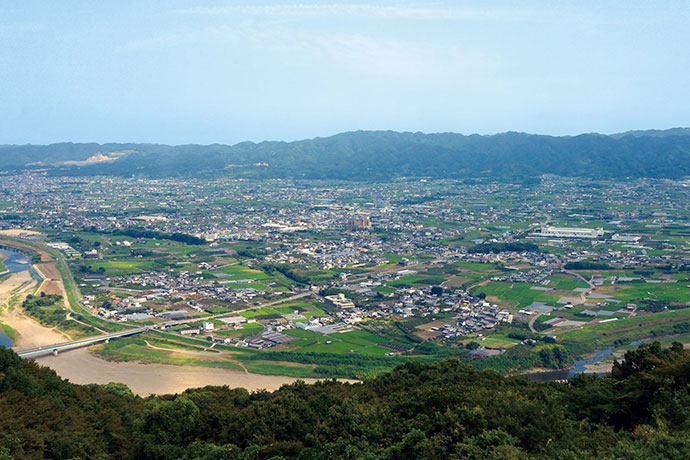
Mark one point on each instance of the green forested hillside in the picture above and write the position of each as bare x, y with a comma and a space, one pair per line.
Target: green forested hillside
444, 410
372, 155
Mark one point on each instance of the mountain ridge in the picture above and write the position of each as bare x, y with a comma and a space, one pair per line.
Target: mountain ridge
376, 155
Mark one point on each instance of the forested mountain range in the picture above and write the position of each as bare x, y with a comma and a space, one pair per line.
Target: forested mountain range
444, 410
373, 155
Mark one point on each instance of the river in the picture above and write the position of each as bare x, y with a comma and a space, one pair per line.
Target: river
14, 262
4, 340
580, 366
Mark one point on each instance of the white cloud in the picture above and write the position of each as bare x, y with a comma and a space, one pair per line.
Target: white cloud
358, 53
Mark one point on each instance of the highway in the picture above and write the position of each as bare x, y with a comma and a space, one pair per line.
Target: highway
55, 348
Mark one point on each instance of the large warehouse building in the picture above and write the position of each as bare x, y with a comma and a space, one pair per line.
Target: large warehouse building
569, 232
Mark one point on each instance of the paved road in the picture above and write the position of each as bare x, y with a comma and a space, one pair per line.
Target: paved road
78, 343
235, 312
577, 275
563, 270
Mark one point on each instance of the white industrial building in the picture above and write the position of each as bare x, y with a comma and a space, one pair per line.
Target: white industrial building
339, 301
569, 232
626, 238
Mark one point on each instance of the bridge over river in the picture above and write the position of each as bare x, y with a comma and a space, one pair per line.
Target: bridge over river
56, 348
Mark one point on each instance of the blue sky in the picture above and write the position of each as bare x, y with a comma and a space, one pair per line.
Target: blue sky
205, 72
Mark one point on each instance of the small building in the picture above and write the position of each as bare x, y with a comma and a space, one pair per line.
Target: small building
626, 238
232, 320
138, 317
173, 315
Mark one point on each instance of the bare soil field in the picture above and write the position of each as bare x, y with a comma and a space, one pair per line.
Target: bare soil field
18, 232
424, 330
52, 287
455, 281
49, 270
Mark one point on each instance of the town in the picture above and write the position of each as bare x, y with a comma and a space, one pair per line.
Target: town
477, 269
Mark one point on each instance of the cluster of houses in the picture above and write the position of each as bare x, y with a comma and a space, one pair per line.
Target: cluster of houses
539, 276
480, 317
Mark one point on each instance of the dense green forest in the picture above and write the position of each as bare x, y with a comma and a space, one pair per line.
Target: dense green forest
378, 155
443, 410
497, 248
586, 265
136, 232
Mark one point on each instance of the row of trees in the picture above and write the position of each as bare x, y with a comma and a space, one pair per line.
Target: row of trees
290, 272
143, 233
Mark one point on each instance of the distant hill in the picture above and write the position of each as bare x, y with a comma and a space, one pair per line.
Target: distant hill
376, 155
654, 133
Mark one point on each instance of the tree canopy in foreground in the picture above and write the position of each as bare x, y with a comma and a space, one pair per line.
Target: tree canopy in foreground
443, 410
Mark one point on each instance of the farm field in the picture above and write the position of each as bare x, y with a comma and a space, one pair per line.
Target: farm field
416, 280
121, 267
623, 331
566, 283
345, 342
517, 295
631, 292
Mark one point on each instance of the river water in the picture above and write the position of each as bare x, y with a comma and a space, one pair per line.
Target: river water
15, 262
580, 366
4, 340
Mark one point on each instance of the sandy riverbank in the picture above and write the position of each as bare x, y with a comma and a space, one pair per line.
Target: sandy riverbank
30, 333
18, 232
80, 366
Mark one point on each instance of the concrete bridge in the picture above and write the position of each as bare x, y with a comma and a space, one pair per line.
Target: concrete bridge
56, 348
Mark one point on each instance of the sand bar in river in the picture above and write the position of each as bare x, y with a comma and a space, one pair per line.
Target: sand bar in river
80, 366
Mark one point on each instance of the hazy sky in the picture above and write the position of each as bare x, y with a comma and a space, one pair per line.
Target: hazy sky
204, 72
